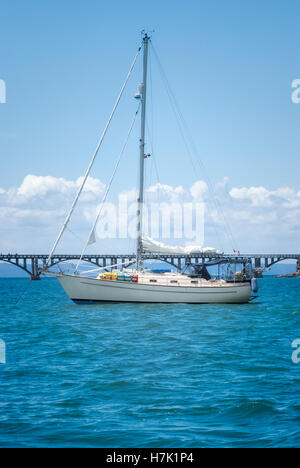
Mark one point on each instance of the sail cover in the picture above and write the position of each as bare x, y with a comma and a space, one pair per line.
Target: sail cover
152, 246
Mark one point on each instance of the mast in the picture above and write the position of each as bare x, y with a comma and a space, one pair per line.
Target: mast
142, 152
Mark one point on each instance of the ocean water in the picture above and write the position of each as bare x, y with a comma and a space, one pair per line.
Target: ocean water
148, 375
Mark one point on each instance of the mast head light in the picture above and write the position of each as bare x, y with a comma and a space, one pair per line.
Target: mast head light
146, 34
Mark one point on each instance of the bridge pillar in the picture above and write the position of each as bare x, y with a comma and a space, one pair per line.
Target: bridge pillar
298, 266
35, 276
257, 262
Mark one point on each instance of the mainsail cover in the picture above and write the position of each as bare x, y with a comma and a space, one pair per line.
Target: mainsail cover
152, 246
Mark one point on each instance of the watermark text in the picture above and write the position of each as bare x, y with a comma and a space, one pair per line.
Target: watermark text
160, 220
296, 353
2, 352
2, 92
296, 93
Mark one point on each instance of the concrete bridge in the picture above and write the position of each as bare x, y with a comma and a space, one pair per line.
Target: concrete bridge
32, 263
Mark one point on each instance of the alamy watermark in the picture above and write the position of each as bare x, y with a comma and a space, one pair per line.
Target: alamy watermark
296, 353
2, 352
296, 93
2, 92
160, 220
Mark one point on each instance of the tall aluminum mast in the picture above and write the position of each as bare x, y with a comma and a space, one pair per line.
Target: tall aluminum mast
142, 152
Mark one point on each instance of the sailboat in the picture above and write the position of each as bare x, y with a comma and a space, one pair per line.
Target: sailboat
140, 285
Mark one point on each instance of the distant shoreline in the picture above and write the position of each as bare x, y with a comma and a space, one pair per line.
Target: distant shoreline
289, 275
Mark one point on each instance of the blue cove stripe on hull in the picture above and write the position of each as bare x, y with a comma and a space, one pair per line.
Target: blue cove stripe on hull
98, 301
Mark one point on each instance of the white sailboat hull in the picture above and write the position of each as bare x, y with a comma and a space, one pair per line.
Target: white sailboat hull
80, 289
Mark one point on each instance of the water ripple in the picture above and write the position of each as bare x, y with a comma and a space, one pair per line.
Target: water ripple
131, 375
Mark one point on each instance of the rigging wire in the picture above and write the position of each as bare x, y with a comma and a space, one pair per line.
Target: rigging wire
153, 155
177, 115
150, 132
92, 160
74, 234
91, 239
151, 165
183, 127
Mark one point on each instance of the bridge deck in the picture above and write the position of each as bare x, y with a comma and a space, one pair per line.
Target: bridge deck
31, 263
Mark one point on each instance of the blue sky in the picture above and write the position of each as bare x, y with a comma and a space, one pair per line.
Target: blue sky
230, 64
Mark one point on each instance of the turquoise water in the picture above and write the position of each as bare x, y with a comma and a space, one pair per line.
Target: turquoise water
148, 375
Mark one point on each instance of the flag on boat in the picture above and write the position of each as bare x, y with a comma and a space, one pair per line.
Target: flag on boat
147, 155
237, 252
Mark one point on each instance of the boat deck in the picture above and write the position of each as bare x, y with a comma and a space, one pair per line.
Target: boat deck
172, 279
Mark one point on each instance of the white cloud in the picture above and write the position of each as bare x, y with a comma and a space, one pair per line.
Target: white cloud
168, 192
32, 213
198, 190
262, 197
258, 196
130, 195
38, 186
258, 218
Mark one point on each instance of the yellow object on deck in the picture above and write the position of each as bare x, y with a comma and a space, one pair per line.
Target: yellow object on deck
108, 276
